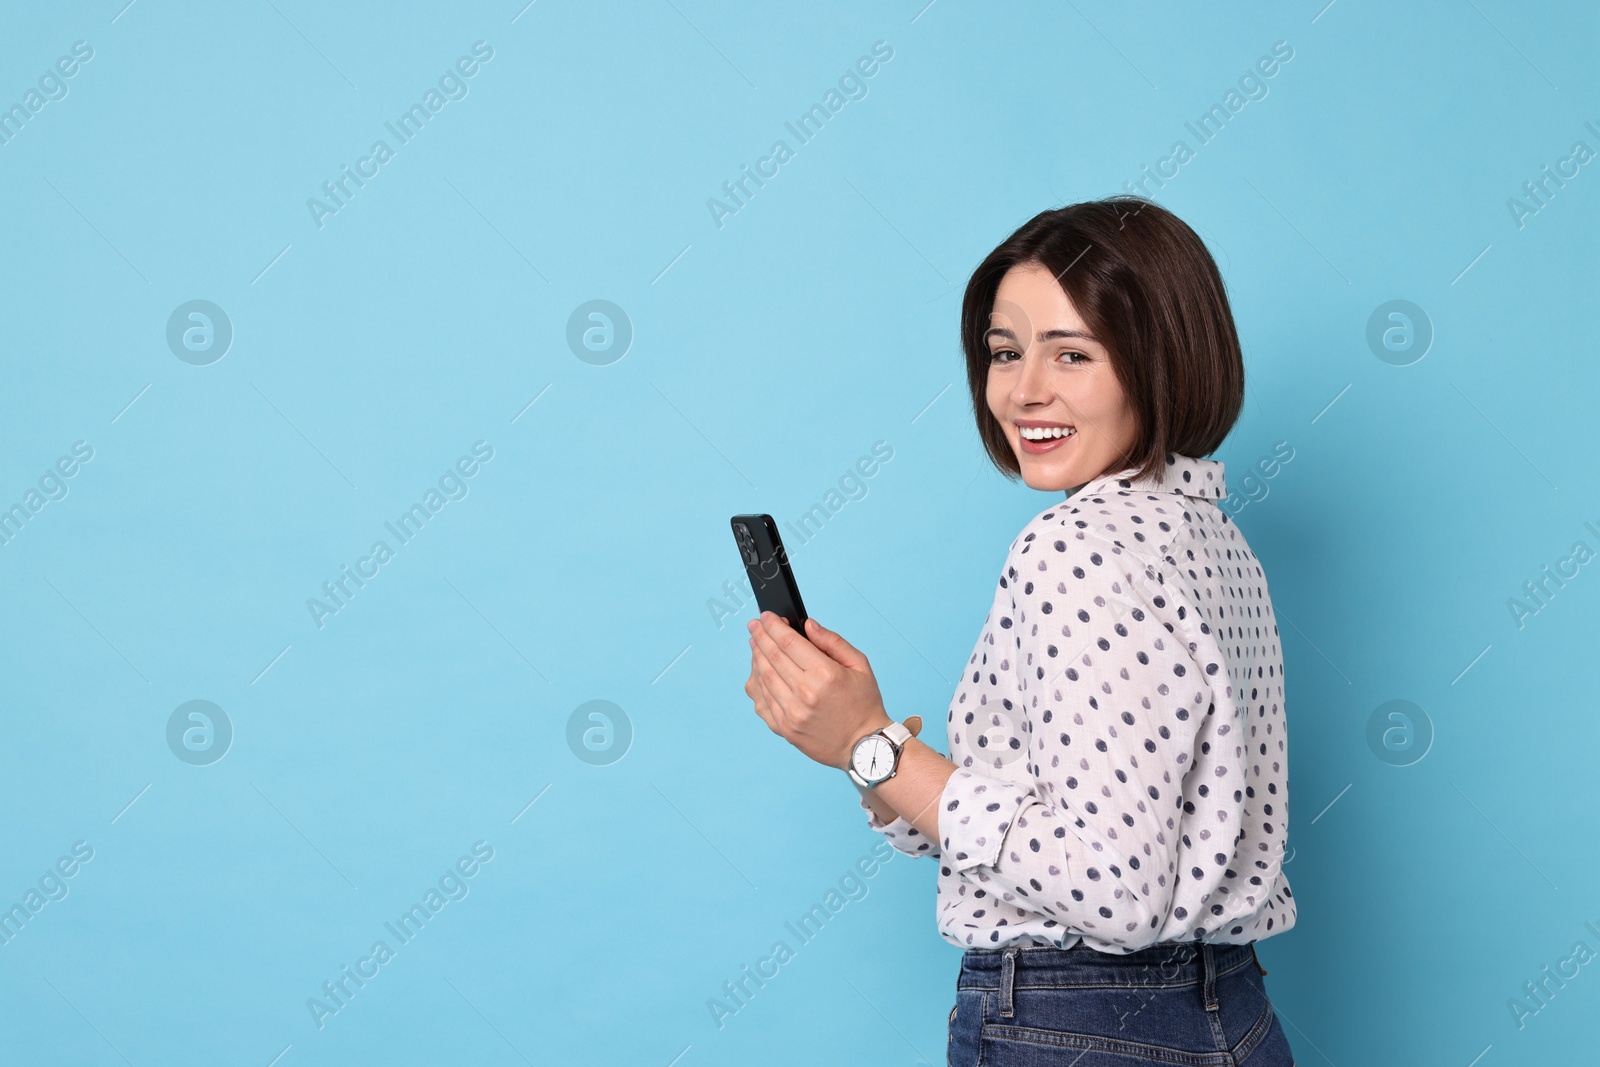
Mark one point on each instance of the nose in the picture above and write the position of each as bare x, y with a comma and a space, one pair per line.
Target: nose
1032, 383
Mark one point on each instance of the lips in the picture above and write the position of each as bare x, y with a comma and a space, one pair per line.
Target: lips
1039, 448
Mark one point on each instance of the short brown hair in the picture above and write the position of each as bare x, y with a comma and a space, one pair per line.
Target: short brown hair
1149, 290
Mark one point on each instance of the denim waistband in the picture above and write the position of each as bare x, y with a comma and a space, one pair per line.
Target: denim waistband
1166, 963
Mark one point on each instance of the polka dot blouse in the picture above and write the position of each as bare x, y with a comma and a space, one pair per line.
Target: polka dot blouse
1118, 733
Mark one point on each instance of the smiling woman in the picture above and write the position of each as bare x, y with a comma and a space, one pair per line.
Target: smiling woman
1110, 317
1110, 822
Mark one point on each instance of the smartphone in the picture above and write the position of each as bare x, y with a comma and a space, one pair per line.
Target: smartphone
767, 564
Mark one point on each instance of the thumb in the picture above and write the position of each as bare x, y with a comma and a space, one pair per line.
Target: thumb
835, 646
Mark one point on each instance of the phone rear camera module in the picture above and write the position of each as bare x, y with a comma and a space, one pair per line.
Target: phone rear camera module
747, 545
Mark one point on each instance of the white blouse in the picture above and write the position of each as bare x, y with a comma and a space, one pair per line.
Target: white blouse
1118, 733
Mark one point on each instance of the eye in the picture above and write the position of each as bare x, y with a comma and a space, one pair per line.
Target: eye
1069, 357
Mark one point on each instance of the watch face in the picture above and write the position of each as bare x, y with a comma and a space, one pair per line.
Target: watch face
873, 757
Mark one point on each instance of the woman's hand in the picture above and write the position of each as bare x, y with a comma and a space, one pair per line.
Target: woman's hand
819, 695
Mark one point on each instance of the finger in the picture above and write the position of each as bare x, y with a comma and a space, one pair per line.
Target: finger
769, 712
757, 694
779, 693
797, 648
835, 646
786, 668
752, 685
763, 710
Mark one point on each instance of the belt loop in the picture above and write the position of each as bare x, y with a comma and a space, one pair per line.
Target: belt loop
1008, 979
1253, 956
1208, 971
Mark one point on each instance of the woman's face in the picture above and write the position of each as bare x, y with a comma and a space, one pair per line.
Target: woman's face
1045, 370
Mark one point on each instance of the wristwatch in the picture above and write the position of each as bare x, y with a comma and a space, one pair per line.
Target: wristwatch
876, 757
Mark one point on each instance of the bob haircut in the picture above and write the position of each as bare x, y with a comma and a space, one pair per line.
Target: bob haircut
1151, 293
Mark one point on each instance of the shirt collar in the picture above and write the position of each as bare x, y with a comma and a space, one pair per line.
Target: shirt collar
1184, 475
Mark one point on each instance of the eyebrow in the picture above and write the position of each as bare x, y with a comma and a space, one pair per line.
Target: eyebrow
1044, 335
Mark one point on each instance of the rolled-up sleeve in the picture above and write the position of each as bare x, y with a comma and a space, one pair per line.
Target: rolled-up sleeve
900, 834
1078, 820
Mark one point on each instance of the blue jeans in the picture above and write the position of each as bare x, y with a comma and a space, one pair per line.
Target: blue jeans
1176, 1004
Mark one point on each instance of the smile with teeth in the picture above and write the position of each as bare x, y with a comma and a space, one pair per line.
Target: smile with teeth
1044, 433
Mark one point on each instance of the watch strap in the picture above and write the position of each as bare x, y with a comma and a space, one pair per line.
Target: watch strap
897, 733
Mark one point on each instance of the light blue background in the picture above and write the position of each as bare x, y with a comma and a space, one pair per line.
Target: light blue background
769, 354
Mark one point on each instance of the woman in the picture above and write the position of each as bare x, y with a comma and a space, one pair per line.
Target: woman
1110, 823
